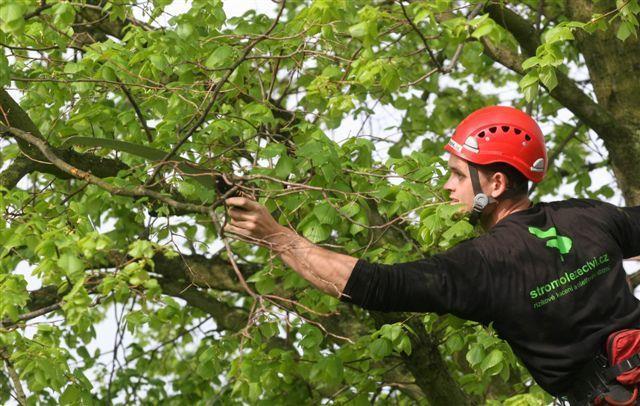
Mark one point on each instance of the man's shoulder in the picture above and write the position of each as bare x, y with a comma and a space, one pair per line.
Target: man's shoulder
576, 203
568, 205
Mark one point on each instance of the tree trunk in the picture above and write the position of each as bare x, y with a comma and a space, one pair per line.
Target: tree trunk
613, 67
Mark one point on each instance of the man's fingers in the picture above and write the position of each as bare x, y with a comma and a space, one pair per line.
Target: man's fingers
234, 230
239, 214
246, 226
242, 202
240, 233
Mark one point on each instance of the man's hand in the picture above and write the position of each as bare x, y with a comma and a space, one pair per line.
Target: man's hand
252, 220
328, 271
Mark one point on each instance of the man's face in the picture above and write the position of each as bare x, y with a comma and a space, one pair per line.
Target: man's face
459, 182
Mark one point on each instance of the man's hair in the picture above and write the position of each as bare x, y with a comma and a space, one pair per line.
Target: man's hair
517, 183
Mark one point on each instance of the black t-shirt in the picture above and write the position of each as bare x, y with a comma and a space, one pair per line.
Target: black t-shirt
550, 279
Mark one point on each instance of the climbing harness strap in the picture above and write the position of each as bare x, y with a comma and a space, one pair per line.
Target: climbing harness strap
611, 379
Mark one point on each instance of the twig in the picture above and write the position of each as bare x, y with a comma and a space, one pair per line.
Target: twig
215, 92
21, 398
43, 6
31, 315
143, 122
243, 282
424, 40
458, 52
608, 13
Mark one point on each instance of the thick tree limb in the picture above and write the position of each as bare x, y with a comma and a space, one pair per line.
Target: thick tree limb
10, 177
618, 131
226, 317
136, 191
566, 92
18, 118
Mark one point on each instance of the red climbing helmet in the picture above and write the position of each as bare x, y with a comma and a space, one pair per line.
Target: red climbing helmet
501, 134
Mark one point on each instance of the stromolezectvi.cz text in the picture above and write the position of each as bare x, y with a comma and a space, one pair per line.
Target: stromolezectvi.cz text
569, 276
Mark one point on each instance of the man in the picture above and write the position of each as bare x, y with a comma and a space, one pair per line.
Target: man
549, 276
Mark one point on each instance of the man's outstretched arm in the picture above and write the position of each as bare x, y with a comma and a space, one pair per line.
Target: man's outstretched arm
328, 271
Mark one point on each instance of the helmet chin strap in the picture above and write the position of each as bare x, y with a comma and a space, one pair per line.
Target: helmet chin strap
481, 200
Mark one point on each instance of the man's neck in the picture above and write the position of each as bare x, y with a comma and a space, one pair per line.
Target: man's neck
502, 210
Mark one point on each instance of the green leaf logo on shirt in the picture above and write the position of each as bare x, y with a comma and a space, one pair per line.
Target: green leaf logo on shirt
560, 242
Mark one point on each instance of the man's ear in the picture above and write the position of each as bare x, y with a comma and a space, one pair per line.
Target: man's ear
498, 183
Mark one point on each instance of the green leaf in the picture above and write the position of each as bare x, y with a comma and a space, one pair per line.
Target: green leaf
548, 77
221, 56
73, 67
530, 62
11, 16
64, 14
380, 348
257, 112
184, 30
5, 71
71, 264
494, 358
405, 345
325, 213
625, 29
484, 29
207, 354
71, 395
475, 355
359, 30
266, 285
454, 343
531, 90
558, 33
530, 79
311, 336
159, 61
141, 249
316, 231
12, 11
334, 368
14, 295
108, 74
284, 167
350, 209
460, 229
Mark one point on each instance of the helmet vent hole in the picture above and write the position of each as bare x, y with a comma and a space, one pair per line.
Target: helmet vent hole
481, 134
493, 129
517, 131
505, 128
527, 137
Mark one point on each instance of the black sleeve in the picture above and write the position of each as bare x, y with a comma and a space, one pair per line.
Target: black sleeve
628, 226
457, 281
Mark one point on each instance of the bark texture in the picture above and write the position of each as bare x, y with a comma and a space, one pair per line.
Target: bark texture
613, 71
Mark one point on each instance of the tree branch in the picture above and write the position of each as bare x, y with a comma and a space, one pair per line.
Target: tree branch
139, 114
553, 155
136, 191
215, 92
10, 177
566, 92
14, 116
15, 378
432, 56
226, 317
